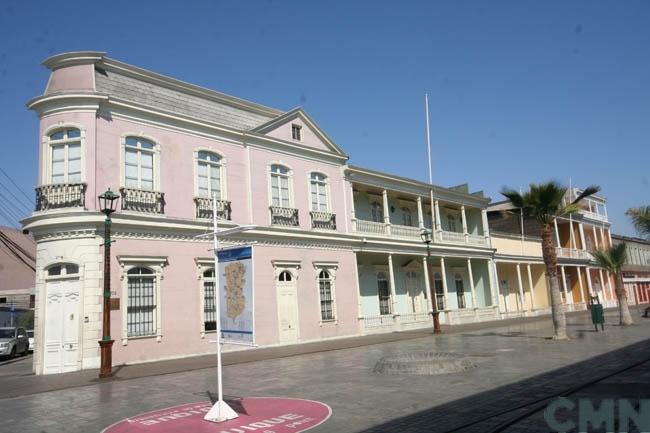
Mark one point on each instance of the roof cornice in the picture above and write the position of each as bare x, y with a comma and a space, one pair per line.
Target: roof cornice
66, 102
73, 58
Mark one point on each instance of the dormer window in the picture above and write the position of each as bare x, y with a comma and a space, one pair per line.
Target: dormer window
296, 132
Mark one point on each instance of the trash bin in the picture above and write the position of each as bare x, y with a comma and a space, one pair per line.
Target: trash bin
597, 314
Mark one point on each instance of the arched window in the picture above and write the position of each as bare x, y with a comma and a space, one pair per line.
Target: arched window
407, 217
326, 299
209, 174
285, 276
280, 194
64, 269
377, 212
65, 156
141, 303
139, 163
209, 304
440, 290
460, 290
318, 185
383, 292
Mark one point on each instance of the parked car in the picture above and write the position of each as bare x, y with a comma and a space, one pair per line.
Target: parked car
13, 341
30, 335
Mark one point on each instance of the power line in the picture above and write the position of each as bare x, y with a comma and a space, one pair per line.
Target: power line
10, 208
25, 208
8, 220
16, 185
16, 245
18, 256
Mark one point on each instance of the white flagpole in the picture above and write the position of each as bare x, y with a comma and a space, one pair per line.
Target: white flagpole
220, 411
426, 104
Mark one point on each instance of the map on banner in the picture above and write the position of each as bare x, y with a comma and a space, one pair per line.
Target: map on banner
236, 295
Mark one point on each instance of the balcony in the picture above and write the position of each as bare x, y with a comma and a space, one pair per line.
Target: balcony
572, 253
405, 232
204, 208
323, 220
370, 227
139, 200
60, 195
284, 216
593, 215
452, 237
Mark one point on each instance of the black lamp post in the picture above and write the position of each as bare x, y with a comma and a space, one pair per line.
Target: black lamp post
107, 205
426, 238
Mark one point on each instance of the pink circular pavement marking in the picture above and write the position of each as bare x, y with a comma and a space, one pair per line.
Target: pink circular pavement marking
256, 414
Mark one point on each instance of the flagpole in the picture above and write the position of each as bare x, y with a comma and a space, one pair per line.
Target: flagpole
220, 411
426, 104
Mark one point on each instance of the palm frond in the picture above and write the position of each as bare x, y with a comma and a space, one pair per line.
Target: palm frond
641, 220
515, 197
611, 259
590, 190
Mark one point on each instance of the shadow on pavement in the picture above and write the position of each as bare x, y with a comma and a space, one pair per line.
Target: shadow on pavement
488, 411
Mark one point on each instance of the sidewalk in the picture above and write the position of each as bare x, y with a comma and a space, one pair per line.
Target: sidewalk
32, 384
515, 362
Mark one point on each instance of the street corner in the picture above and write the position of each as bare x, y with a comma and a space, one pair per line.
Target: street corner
264, 414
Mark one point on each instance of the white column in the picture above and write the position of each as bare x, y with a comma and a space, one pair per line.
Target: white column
557, 233
589, 286
471, 283
464, 220
436, 207
427, 284
384, 199
420, 213
563, 282
520, 286
484, 221
593, 229
496, 293
602, 282
612, 292
602, 237
581, 229
391, 276
572, 235
582, 289
609, 236
358, 285
532, 288
443, 273
433, 215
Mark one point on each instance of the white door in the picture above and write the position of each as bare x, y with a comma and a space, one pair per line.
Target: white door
288, 311
61, 342
416, 294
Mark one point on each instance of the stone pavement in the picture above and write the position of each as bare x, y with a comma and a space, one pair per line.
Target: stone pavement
515, 363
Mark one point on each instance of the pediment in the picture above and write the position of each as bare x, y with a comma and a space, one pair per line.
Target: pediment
311, 135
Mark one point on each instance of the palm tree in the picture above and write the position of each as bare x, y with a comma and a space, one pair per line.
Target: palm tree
544, 203
641, 220
612, 259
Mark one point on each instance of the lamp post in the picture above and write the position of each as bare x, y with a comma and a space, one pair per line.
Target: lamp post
426, 238
107, 204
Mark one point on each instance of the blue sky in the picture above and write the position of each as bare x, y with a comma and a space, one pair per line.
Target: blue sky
520, 91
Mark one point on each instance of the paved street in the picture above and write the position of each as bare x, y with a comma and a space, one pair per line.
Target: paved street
514, 366
16, 367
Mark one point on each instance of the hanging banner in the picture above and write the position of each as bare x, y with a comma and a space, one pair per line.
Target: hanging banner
236, 295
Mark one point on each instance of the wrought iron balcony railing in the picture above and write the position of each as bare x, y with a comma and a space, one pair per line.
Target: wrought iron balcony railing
323, 220
204, 208
284, 216
60, 195
140, 200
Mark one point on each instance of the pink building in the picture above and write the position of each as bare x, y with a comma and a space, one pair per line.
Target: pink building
337, 250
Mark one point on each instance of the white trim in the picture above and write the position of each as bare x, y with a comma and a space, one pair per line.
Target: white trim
331, 268
156, 160
326, 180
222, 172
46, 151
289, 177
156, 264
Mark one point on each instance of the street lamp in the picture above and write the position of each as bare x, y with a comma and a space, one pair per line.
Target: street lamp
107, 205
426, 236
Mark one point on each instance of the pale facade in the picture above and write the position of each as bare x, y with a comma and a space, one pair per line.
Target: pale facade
636, 272
337, 249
